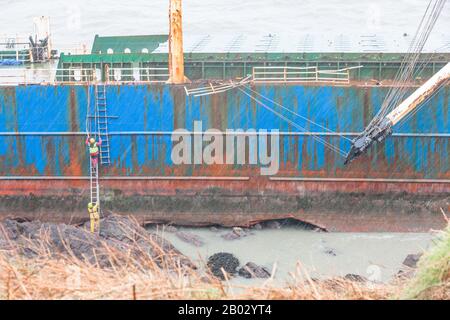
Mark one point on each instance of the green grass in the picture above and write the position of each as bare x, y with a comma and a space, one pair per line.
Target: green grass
432, 279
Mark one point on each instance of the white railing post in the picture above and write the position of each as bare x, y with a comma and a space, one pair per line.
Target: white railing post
82, 76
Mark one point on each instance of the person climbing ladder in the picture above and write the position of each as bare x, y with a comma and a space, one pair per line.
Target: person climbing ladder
94, 217
93, 149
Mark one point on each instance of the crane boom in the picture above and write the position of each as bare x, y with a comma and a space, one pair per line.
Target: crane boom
421, 94
379, 130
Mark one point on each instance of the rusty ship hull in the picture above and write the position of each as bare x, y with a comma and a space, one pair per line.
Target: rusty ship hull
398, 186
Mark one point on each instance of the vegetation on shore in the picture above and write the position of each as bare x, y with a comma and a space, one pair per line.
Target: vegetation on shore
432, 278
62, 274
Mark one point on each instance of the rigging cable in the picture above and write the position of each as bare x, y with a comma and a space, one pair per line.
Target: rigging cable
326, 143
399, 87
297, 114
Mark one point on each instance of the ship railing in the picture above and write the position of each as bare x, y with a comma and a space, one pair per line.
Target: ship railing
14, 42
75, 49
137, 75
24, 76
22, 56
14, 47
75, 75
300, 74
50, 76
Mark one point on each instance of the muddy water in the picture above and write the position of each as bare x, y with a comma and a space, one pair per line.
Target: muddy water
376, 256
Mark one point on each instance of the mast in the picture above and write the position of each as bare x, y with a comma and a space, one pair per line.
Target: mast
176, 53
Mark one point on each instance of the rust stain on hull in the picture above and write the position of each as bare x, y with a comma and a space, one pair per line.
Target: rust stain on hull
336, 206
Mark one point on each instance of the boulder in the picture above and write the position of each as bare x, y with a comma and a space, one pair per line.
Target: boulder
236, 233
329, 251
31, 237
355, 277
273, 225
116, 233
411, 260
190, 238
225, 261
252, 270
169, 228
257, 226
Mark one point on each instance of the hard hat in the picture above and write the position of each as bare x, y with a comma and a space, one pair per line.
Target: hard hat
91, 140
90, 205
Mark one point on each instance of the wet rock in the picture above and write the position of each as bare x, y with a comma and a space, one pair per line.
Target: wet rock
190, 238
214, 229
9, 230
125, 230
411, 260
405, 274
225, 261
257, 226
236, 233
170, 229
252, 270
355, 277
273, 225
31, 237
6, 245
116, 233
230, 236
329, 251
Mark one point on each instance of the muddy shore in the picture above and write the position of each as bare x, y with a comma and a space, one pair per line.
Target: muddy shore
125, 237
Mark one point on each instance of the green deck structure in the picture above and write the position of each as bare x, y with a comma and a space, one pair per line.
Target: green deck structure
226, 65
135, 44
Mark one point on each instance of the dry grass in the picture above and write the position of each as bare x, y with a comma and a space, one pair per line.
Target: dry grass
432, 279
66, 277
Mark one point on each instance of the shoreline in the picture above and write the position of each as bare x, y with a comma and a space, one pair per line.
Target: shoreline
89, 265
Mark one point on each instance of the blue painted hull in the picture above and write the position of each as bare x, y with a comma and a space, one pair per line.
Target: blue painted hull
42, 131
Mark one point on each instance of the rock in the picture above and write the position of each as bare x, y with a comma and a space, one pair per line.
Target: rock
257, 226
273, 225
9, 230
252, 270
405, 274
6, 245
355, 277
330, 251
411, 260
225, 261
170, 229
230, 236
214, 229
57, 239
116, 233
236, 233
190, 238
127, 231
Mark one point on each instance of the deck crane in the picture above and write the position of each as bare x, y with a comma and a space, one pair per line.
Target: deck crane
381, 128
